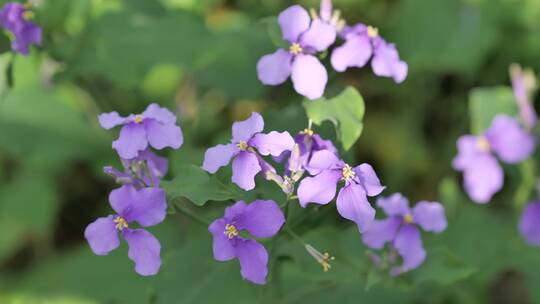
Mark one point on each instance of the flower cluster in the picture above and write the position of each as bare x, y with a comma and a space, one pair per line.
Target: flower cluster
139, 198
307, 36
14, 18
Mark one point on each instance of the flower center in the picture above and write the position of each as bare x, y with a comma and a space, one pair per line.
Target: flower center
295, 49
138, 118
483, 144
307, 132
230, 231
121, 223
372, 31
242, 145
408, 219
348, 173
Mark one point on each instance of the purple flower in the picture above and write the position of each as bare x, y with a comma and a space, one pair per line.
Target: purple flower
145, 170
146, 207
329, 16
246, 137
400, 229
306, 38
482, 174
262, 219
156, 127
13, 17
529, 223
362, 43
352, 202
523, 84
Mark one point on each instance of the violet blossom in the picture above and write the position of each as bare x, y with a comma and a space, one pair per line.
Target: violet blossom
523, 85
305, 38
155, 127
477, 156
261, 219
146, 170
146, 207
400, 229
358, 183
247, 142
529, 223
14, 18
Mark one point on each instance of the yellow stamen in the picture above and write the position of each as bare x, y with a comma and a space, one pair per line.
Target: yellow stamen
121, 223
295, 49
408, 219
372, 32
307, 132
138, 118
242, 145
483, 144
321, 258
230, 231
348, 173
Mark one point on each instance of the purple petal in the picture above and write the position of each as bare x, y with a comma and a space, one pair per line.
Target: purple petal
261, 219
323, 160
218, 156
353, 205
102, 235
468, 151
529, 223
110, 120
221, 245
273, 143
132, 139
319, 36
253, 261
158, 165
163, 135
319, 189
275, 68
144, 250
430, 216
380, 232
522, 86
234, 212
483, 178
146, 206
355, 52
293, 22
326, 10
309, 76
511, 143
386, 62
244, 130
409, 246
395, 204
368, 179
244, 168
163, 115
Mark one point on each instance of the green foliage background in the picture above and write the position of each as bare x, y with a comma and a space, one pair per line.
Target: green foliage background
198, 58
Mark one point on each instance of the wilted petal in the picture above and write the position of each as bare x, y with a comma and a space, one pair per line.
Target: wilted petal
409, 246
218, 156
353, 205
355, 52
144, 250
369, 179
522, 87
261, 219
380, 232
110, 120
163, 115
468, 150
386, 62
319, 36
146, 206
511, 143
275, 68
221, 245
102, 235
322, 160
163, 135
529, 223
253, 261
483, 178
309, 76
273, 143
244, 168
319, 189
132, 139
293, 22
244, 130
395, 204
430, 216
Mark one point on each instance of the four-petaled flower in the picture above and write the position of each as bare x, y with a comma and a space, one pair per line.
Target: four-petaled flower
145, 170
482, 174
400, 229
359, 182
147, 207
246, 137
156, 127
262, 219
14, 18
306, 38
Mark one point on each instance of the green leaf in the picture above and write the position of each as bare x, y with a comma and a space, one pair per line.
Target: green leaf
345, 111
486, 103
274, 31
195, 184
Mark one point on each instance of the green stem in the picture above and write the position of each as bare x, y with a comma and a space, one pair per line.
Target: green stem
294, 235
192, 215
